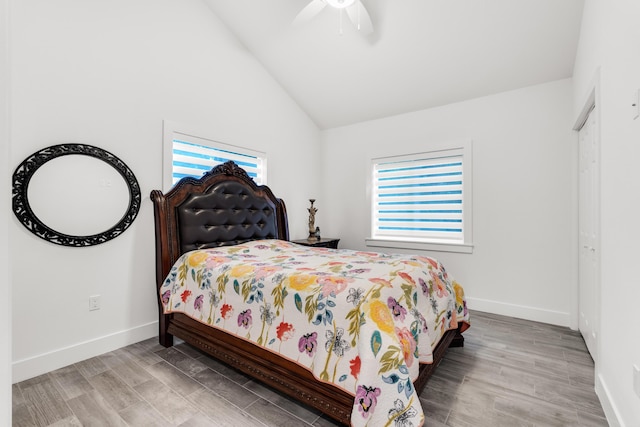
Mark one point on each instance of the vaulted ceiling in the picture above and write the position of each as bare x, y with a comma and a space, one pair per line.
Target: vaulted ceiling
421, 54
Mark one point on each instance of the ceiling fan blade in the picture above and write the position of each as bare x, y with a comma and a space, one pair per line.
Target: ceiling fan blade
309, 11
360, 17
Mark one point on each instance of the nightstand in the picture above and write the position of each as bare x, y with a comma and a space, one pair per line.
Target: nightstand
322, 243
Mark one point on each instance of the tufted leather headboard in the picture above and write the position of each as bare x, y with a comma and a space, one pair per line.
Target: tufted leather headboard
224, 207
228, 213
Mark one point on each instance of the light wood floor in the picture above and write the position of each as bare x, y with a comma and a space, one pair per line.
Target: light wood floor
511, 372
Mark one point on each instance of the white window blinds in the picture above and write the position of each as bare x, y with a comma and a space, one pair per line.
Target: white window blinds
419, 197
189, 151
190, 159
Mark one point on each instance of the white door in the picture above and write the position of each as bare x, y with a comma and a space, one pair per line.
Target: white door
589, 232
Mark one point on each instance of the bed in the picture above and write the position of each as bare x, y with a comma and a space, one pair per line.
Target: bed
214, 232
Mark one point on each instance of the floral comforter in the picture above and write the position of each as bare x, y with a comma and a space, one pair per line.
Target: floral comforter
362, 321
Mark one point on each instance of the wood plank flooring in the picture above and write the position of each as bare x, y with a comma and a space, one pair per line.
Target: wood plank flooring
511, 372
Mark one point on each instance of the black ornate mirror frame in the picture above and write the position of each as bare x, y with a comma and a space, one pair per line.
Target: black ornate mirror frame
25, 171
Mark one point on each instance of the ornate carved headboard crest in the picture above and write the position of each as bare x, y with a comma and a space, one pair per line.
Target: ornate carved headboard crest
229, 168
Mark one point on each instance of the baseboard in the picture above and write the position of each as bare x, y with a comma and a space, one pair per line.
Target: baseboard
608, 406
520, 311
43, 363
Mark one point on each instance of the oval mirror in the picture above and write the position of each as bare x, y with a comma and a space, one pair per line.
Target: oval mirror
73, 194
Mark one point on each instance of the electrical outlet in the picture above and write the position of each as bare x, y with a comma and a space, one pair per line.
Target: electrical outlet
94, 302
636, 380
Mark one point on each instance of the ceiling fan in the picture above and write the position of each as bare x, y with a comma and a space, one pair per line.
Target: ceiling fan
356, 11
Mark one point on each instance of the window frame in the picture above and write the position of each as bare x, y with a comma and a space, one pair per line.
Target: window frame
173, 130
463, 148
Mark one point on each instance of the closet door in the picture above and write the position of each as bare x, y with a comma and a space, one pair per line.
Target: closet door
589, 232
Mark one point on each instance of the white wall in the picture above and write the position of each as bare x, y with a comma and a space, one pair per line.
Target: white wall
610, 43
523, 191
107, 74
5, 267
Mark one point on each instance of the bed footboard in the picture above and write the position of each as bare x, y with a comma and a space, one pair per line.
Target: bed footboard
283, 375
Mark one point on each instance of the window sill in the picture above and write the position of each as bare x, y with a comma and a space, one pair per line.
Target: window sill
462, 248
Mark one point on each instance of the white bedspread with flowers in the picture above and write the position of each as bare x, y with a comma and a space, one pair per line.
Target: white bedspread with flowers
360, 320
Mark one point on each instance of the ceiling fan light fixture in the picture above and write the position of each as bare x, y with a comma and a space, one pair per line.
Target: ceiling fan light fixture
340, 4
356, 12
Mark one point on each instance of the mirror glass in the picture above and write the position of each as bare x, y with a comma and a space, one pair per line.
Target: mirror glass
78, 195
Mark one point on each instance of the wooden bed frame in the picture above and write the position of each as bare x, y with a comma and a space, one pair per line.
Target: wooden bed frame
226, 207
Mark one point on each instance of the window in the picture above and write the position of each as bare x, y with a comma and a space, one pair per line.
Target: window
423, 201
190, 153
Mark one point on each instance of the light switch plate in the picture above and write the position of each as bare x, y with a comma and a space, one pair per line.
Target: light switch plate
635, 104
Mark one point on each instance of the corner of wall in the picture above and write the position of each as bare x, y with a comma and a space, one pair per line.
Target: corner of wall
608, 405
5, 267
